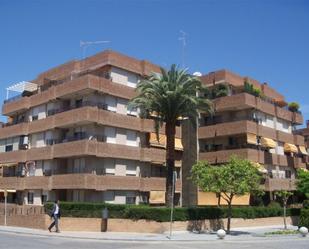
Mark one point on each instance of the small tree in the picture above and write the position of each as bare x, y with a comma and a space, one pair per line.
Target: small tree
303, 182
284, 196
237, 177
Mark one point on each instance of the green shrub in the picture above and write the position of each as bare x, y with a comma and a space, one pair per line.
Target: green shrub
256, 92
304, 218
274, 204
293, 107
306, 204
220, 90
162, 214
249, 88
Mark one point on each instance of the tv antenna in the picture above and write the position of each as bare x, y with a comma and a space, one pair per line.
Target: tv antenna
85, 44
183, 39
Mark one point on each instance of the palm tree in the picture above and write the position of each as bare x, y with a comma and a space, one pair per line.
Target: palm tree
171, 96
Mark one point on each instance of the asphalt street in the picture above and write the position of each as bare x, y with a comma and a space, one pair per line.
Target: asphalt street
21, 241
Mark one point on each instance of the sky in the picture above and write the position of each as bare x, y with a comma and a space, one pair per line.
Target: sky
265, 39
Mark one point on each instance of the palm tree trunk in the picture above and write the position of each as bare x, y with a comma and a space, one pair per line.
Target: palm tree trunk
170, 130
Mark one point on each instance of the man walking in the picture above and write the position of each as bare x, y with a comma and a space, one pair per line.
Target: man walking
55, 214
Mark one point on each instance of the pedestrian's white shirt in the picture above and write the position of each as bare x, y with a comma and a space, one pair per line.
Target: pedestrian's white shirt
57, 209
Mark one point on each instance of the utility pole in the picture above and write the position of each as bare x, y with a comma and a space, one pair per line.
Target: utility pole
183, 39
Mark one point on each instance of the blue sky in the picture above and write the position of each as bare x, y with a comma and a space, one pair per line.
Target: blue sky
264, 39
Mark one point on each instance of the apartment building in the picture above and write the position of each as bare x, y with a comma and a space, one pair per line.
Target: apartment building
305, 133
251, 121
71, 136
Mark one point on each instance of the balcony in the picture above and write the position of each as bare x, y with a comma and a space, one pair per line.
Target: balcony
88, 112
85, 147
85, 181
253, 154
244, 101
273, 184
68, 88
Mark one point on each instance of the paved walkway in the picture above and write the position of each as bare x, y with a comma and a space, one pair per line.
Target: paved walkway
238, 234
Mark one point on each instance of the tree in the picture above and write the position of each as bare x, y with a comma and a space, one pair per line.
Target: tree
171, 96
235, 178
303, 182
284, 196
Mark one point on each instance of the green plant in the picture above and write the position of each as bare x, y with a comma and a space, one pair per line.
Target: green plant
249, 88
220, 90
162, 214
256, 92
237, 177
293, 107
306, 204
274, 204
304, 218
171, 95
303, 182
284, 196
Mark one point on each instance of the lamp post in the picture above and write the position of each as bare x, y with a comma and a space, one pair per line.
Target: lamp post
172, 208
5, 204
6, 191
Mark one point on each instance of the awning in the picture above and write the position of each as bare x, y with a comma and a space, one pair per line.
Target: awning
268, 143
8, 190
260, 167
160, 164
8, 164
290, 148
303, 150
178, 144
251, 138
178, 163
162, 141
154, 141
157, 197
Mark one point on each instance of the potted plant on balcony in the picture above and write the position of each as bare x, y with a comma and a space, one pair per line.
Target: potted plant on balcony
293, 107
220, 90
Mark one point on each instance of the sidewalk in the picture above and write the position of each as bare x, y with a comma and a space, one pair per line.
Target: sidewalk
239, 234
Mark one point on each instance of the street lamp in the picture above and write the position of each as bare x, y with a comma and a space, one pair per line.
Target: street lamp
6, 191
172, 207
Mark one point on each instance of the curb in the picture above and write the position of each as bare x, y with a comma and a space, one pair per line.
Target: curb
252, 237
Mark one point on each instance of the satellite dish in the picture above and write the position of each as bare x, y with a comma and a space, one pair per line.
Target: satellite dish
197, 74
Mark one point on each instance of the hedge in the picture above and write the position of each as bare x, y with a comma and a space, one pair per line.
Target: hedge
304, 218
306, 204
162, 214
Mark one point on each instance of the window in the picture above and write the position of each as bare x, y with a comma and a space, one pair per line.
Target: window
36, 117
130, 199
8, 148
131, 111
78, 103
30, 197
44, 199
131, 170
288, 174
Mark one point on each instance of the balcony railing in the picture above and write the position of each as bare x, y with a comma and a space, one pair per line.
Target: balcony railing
17, 97
102, 106
50, 83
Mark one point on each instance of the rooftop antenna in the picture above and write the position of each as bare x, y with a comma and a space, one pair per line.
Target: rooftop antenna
183, 38
85, 44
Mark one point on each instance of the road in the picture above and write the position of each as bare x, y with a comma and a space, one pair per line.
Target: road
21, 241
